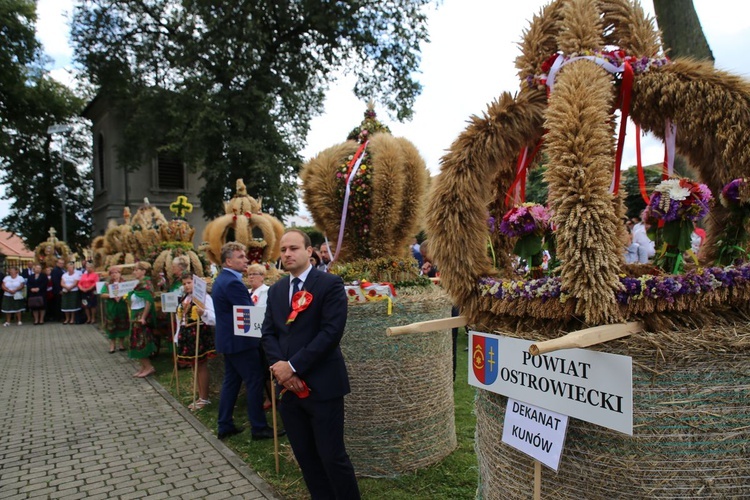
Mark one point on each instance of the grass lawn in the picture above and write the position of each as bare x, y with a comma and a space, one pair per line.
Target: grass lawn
453, 478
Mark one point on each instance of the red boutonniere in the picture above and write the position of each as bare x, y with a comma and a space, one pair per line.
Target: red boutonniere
300, 302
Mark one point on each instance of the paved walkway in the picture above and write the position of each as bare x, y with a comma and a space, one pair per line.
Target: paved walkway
76, 424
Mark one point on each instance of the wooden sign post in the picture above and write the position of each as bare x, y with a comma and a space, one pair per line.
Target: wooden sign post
275, 425
175, 371
195, 366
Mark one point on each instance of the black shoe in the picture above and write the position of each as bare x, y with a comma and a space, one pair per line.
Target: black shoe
267, 433
229, 433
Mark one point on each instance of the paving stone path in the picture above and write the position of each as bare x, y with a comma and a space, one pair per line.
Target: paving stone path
76, 424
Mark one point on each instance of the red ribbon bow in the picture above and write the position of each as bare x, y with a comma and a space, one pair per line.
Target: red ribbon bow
300, 302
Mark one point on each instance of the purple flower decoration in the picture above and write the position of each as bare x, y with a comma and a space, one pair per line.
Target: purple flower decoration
679, 199
526, 219
666, 287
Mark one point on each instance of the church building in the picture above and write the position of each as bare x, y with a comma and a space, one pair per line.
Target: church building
160, 179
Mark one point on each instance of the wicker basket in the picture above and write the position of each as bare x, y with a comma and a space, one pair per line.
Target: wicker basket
400, 413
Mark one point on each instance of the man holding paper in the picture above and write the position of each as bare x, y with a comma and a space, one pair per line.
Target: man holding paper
242, 356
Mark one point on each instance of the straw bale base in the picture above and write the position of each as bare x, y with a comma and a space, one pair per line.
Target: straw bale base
691, 427
400, 413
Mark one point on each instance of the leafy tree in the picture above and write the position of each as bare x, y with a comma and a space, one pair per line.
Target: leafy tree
634, 202
536, 186
18, 49
232, 85
31, 102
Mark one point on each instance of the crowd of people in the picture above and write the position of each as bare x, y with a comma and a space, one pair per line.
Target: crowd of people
299, 348
61, 292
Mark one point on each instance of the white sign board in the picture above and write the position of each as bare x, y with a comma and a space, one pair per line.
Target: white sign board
248, 320
101, 287
169, 302
122, 289
593, 386
199, 289
537, 432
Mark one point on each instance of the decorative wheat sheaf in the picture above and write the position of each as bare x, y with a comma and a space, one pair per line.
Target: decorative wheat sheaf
258, 231
386, 193
690, 368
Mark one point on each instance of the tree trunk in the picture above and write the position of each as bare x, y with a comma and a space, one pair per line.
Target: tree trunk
681, 29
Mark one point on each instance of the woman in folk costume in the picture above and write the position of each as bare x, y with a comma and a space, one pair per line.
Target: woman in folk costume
87, 286
142, 320
180, 265
69, 303
13, 301
187, 331
117, 323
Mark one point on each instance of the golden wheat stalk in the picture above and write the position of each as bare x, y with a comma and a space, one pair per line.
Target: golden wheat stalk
579, 145
456, 215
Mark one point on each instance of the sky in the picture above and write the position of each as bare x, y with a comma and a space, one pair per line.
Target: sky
467, 64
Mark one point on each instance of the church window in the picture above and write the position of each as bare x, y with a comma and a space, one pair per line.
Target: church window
170, 172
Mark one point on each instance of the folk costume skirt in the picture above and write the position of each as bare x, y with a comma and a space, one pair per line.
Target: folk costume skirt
12, 305
186, 345
117, 323
69, 302
141, 337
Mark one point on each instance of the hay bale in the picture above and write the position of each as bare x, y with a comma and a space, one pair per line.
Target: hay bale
399, 415
691, 426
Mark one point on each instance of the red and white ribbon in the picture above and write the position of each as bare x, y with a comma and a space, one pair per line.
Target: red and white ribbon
351, 173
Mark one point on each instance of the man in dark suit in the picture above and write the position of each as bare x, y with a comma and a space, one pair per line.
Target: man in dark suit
306, 352
28, 271
53, 307
243, 361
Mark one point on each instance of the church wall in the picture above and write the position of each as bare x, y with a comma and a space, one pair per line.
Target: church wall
110, 181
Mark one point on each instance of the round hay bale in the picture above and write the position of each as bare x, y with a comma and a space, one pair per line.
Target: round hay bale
691, 436
400, 413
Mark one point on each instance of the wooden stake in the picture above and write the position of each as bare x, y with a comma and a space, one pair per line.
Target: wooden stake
195, 367
537, 480
102, 312
273, 418
175, 371
587, 337
428, 326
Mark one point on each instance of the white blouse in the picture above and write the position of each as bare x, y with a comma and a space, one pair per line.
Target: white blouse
13, 284
260, 295
69, 279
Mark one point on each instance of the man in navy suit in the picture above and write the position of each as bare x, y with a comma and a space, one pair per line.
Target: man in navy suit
53, 307
306, 352
243, 361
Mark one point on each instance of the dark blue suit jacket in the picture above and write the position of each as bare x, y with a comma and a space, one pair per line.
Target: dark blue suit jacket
226, 292
311, 342
56, 277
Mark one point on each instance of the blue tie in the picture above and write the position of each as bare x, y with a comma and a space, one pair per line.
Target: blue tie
295, 285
